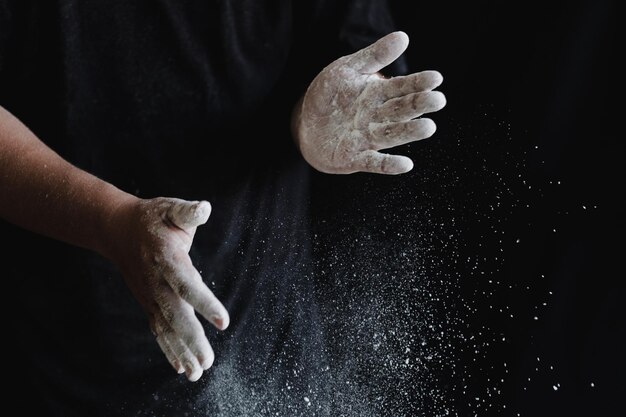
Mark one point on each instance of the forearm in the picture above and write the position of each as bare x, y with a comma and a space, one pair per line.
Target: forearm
42, 192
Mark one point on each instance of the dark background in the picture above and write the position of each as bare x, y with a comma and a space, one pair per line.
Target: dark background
513, 212
528, 162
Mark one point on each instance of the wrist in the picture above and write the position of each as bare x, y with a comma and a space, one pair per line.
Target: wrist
113, 224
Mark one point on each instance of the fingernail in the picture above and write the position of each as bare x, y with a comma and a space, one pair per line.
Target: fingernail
188, 369
202, 209
192, 374
206, 362
217, 321
179, 369
202, 361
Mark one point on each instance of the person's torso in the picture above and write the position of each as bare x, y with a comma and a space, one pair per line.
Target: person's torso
180, 99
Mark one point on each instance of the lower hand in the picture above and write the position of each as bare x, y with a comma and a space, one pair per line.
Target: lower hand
151, 241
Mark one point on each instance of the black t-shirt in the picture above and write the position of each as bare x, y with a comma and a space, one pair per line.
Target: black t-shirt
183, 99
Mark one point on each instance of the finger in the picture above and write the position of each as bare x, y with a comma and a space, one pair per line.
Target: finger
401, 86
169, 354
381, 163
186, 281
388, 135
181, 318
189, 214
378, 55
192, 368
408, 107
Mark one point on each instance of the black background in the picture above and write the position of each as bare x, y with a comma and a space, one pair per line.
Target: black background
527, 149
528, 155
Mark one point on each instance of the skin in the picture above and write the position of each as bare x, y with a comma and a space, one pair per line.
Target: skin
347, 115
148, 240
159, 272
350, 112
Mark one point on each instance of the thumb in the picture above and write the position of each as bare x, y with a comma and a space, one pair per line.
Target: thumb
188, 214
378, 55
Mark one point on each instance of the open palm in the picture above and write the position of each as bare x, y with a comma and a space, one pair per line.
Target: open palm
350, 112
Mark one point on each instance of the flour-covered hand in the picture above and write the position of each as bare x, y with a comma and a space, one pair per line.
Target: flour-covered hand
350, 112
152, 239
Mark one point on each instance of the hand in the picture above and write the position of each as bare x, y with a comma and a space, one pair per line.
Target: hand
148, 240
350, 112
152, 239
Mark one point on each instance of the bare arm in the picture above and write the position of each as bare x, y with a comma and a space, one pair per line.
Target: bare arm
42, 192
148, 240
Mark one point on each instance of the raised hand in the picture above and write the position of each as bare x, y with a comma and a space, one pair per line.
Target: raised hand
350, 112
